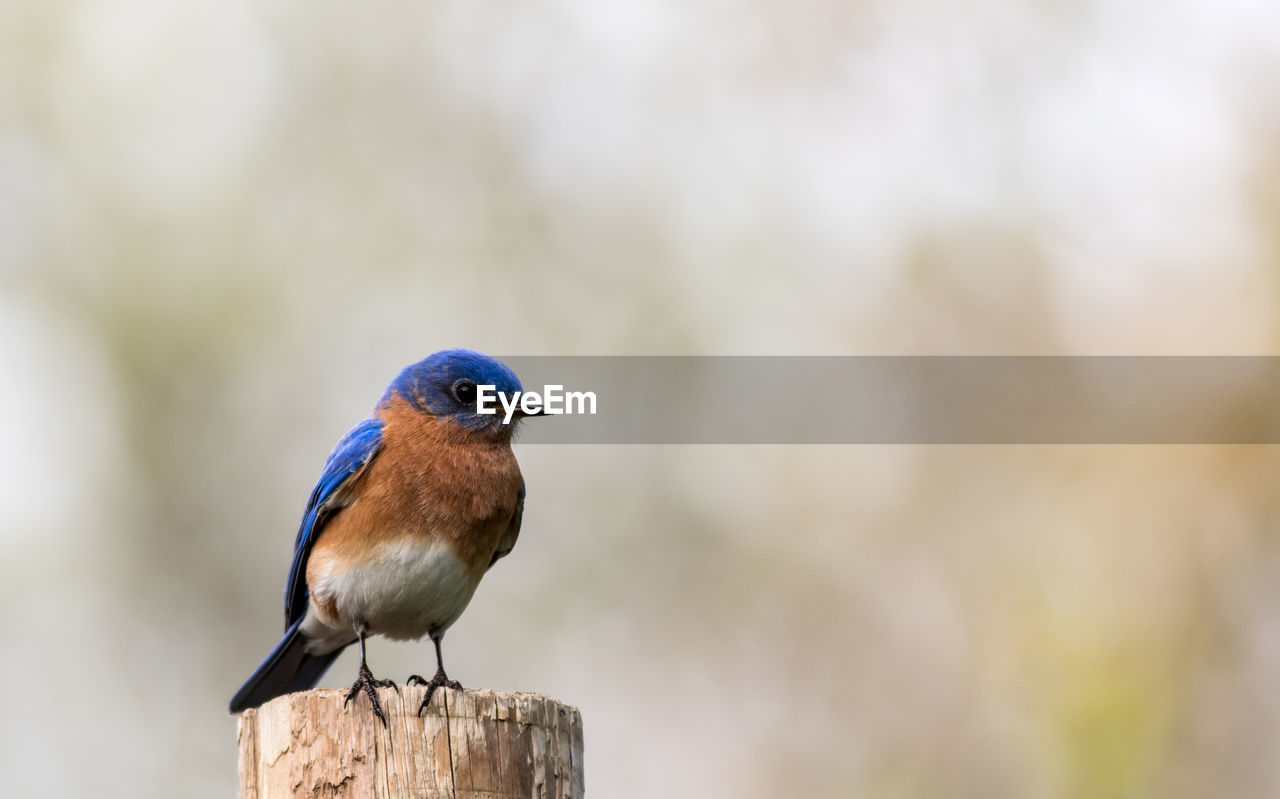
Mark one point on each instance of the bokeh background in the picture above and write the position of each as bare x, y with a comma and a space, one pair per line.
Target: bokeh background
225, 225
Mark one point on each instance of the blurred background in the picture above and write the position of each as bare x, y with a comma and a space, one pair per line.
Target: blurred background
225, 225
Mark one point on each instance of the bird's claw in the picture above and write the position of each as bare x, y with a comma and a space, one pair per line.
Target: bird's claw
365, 682
438, 681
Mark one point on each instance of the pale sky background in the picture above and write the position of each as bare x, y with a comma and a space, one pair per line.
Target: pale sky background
224, 226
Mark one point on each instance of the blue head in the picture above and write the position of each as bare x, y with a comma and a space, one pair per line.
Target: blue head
444, 384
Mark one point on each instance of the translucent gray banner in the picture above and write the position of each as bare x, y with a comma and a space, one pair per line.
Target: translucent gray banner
908, 400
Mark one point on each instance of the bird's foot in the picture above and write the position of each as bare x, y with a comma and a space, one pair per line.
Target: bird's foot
438, 681
366, 682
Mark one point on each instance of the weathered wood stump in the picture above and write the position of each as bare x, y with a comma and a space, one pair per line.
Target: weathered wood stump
467, 744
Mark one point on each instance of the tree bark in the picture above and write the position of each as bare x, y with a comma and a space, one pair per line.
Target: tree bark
466, 745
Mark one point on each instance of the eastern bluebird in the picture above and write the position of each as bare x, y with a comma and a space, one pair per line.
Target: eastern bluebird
414, 505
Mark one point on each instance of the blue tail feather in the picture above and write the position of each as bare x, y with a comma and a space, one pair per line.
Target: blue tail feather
287, 669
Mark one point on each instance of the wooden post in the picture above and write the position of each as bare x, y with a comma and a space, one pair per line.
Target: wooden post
466, 745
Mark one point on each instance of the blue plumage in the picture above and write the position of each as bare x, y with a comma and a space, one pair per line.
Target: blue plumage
348, 458
289, 667
430, 385
395, 542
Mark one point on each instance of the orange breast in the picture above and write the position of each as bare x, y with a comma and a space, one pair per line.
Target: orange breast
432, 480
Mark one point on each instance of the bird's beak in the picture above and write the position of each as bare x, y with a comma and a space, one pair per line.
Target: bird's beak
521, 413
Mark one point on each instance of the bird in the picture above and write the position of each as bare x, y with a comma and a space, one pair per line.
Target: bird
413, 507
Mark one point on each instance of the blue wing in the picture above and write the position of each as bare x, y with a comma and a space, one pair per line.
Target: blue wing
348, 459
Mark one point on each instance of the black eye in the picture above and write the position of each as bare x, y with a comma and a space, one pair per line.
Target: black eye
464, 391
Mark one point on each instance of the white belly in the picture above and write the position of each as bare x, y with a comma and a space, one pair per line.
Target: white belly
409, 589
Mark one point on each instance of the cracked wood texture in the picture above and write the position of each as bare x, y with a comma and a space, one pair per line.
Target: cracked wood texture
466, 745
